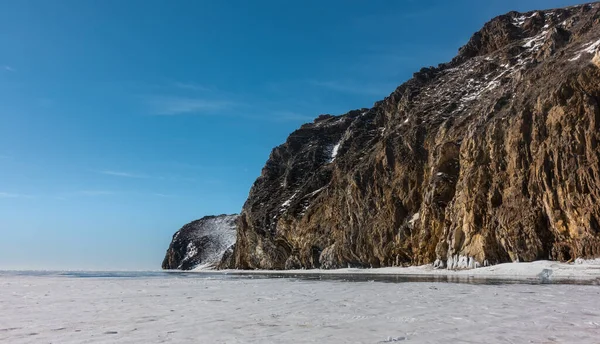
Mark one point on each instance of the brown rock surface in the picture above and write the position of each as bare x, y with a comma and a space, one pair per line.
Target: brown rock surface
492, 156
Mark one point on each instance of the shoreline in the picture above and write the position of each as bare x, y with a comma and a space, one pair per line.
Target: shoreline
544, 270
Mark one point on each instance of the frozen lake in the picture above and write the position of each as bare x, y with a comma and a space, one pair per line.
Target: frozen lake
215, 308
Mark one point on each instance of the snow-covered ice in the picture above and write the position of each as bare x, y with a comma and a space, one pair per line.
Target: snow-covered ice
581, 270
209, 308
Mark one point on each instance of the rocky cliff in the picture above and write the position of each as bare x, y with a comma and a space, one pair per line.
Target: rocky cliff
492, 157
202, 243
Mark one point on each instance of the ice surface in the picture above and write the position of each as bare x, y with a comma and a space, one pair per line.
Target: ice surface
583, 270
228, 310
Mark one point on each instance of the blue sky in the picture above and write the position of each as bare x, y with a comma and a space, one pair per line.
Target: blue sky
123, 120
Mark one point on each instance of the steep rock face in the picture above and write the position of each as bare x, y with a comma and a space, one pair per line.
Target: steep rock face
202, 243
493, 157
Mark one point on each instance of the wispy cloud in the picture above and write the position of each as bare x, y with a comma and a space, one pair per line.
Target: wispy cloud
345, 86
162, 195
14, 195
9, 69
171, 105
222, 103
290, 116
192, 86
82, 193
95, 193
105, 193
121, 174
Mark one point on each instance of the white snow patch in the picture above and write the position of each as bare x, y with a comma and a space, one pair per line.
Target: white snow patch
414, 219
519, 21
334, 151
536, 42
591, 47
288, 202
306, 200
588, 48
315, 192
581, 261
190, 251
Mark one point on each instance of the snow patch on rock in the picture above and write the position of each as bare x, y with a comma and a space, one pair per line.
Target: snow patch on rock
287, 203
588, 48
334, 151
414, 219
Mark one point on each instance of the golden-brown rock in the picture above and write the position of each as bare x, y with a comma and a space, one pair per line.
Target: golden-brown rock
493, 156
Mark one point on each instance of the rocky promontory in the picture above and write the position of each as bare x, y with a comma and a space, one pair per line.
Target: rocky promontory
202, 243
492, 157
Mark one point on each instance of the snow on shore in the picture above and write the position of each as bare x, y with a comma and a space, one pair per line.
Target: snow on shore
200, 308
582, 270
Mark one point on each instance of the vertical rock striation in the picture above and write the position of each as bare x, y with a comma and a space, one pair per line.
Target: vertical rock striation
492, 157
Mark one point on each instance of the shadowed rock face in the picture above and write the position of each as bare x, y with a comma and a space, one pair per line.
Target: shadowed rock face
202, 243
493, 156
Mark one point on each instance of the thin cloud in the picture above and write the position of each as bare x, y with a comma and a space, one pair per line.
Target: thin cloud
9, 69
121, 174
103, 193
191, 86
13, 195
95, 192
344, 86
162, 195
219, 103
170, 106
290, 116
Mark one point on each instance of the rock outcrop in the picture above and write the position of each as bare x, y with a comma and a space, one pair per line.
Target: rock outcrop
492, 157
202, 243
